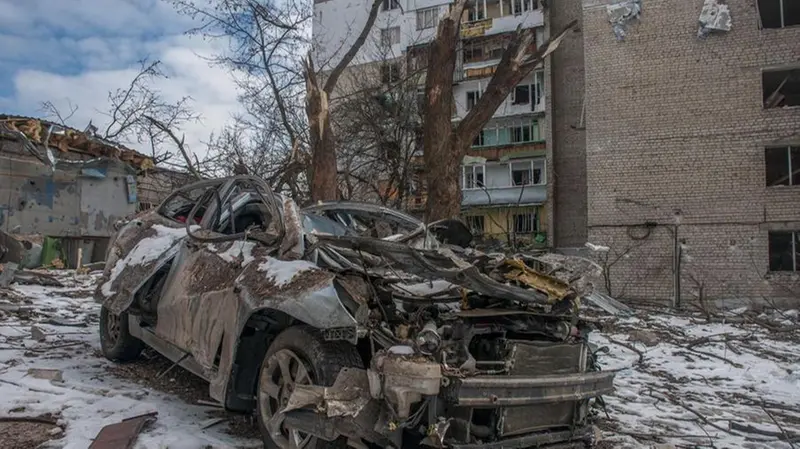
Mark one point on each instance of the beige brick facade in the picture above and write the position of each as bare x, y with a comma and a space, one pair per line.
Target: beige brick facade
675, 135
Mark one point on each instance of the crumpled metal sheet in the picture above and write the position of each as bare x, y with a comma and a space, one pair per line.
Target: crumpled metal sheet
621, 14
715, 16
348, 395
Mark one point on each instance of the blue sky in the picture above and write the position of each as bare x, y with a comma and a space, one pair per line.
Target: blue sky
75, 51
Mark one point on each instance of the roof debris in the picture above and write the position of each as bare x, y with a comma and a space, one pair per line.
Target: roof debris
715, 16
621, 13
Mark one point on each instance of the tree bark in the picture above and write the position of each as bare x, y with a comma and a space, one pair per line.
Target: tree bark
442, 164
324, 184
444, 146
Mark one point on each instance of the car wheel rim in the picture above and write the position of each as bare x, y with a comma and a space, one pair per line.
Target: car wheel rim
282, 372
112, 327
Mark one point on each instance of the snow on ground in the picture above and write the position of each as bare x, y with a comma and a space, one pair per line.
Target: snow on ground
702, 384
89, 397
692, 388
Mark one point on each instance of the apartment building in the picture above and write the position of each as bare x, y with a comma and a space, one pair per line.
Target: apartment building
693, 148
505, 175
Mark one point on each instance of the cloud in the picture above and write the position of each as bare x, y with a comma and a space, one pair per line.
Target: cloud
77, 51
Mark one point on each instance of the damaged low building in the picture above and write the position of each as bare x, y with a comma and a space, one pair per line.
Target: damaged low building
66, 185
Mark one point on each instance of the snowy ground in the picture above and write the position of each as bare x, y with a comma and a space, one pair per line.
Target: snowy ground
700, 384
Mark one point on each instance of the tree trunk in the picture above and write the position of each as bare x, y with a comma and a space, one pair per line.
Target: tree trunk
324, 185
445, 147
440, 143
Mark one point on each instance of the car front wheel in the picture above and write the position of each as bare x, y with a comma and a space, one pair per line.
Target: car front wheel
116, 342
298, 356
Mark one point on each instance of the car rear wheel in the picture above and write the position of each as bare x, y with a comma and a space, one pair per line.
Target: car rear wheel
298, 356
116, 342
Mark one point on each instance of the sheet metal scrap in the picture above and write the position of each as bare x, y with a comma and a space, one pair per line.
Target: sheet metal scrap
715, 16
122, 435
554, 288
621, 14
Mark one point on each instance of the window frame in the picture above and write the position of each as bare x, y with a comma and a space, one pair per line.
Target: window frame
390, 36
424, 14
533, 165
476, 97
795, 247
792, 166
471, 170
393, 69
531, 218
782, 8
472, 221
390, 5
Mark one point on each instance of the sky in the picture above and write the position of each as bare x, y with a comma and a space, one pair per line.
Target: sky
76, 51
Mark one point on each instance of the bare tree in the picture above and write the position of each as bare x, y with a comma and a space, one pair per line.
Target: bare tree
446, 145
324, 184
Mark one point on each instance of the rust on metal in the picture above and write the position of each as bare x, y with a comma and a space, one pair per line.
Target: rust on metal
122, 435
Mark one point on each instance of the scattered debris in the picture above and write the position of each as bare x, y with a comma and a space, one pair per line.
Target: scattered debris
715, 16
648, 338
122, 435
621, 14
7, 276
38, 334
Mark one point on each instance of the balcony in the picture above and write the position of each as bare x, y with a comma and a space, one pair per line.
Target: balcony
489, 17
507, 182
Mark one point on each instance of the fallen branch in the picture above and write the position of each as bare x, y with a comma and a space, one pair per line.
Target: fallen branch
629, 346
783, 431
36, 419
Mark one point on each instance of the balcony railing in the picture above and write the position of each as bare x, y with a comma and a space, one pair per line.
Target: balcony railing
495, 196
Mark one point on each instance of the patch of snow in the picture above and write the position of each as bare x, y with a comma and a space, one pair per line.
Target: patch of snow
283, 271
427, 288
240, 249
89, 397
597, 248
402, 350
147, 250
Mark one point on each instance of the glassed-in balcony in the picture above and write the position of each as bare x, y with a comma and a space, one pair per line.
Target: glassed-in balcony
510, 181
487, 17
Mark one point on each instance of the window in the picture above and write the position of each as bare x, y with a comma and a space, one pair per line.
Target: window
427, 18
520, 6
390, 73
782, 166
390, 36
475, 223
521, 134
473, 53
479, 140
472, 98
421, 100
525, 223
781, 87
476, 11
537, 91
474, 176
389, 5
521, 94
779, 13
527, 173
784, 251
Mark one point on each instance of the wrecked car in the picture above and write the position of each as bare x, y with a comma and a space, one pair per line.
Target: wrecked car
338, 335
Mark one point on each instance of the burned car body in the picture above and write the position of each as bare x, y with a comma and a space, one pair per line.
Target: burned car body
338, 334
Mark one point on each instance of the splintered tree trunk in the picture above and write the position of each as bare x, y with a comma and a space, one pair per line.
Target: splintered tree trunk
444, 146
323, 159
440, 142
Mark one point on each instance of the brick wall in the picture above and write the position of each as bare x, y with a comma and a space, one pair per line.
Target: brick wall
675, 134
569, 144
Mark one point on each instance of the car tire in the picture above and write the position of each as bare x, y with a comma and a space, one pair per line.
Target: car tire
116, 341
322, 360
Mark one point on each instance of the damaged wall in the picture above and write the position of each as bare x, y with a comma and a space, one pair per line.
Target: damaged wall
676, 134
76, 200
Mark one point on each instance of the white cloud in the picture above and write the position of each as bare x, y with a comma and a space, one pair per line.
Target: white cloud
76, 51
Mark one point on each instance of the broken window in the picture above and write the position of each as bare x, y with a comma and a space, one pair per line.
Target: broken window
390, 73
784, 251
521, 94
427, 18
479, 140
525, 223
389, 5
782, 166
779, 13
475, 223
474, 176
476, 11
390, 36
781, 88
473, 53
520, 6
525, 173
472, 98
521, 134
